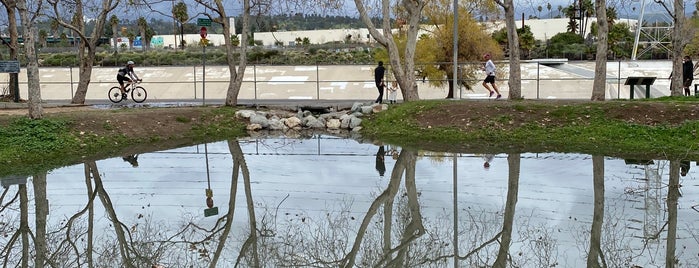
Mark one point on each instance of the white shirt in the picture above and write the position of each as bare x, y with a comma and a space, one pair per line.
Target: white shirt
490, 68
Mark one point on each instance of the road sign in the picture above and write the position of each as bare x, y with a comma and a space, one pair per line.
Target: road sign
202, 32
203, 22
10, 66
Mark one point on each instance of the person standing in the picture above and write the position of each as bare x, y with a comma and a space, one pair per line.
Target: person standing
687, 74
378, 79
490, 77
393, 92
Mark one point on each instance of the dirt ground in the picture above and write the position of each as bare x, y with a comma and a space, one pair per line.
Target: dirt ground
168, 122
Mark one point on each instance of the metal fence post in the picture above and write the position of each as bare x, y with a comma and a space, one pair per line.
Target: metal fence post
618, 83
537, 79
195, 82
254, 81
317, 82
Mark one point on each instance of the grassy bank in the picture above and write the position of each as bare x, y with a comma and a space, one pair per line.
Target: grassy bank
629, 129
66, 138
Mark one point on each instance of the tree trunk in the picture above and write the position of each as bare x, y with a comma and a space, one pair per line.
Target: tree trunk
41, 207
678, 44
515, 77
34, 87
600, 84
673, 194
115, 38
24, 223
85, 77
513, 161
403, 68
236, 75
594, 253
10, 6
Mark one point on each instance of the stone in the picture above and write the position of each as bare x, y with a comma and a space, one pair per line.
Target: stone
244, 114
259, 119
253, 127
333, 123
292, 122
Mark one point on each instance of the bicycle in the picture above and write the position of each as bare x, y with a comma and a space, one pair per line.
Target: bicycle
138, 93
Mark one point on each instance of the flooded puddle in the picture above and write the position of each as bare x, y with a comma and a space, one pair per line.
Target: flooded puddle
329, 202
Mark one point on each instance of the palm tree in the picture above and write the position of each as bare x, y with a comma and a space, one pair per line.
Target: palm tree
179, 12
548, 7
42, 37
114, 22
142, 25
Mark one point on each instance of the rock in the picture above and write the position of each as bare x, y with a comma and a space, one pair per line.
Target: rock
333, 123
244, 114
253, 127
292, 122
355, 122
259, 119
377, 108
313, 122
276, 124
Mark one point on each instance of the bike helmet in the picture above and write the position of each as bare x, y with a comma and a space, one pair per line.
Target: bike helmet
129, 63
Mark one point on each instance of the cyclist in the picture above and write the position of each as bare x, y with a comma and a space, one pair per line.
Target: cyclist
126, 74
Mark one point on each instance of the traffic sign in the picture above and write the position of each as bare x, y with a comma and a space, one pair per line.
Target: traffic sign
203, 22
202, 32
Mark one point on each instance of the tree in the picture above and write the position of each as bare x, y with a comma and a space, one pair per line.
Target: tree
236, 72
548, 7
570, 13
402, 64
88, 41
28, 31
434, 53
43, 35
179, 12
681, 35
13, 46
142, 26
600, 82
539, 9
513, 42
114, 23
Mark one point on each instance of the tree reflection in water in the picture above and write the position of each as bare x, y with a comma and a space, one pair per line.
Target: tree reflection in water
391, 232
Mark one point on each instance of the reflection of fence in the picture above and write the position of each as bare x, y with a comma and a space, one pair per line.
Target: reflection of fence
345, 82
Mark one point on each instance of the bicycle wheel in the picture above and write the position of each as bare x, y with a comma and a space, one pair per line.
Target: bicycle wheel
115, 94
139, 94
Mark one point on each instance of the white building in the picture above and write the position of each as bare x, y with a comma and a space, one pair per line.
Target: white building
543, 29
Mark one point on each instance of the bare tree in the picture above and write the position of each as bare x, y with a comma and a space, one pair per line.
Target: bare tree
600, 84
680, 39
13, 45
88, 41
28, 20
513, 161
673, 194
595, 253
236, 72
403, 67
514, 81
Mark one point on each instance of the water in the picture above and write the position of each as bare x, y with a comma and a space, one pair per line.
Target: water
322, 202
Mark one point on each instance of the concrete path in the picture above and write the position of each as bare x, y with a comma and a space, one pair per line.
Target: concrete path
338, 83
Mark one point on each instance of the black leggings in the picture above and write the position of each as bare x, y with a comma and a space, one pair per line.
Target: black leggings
380, 87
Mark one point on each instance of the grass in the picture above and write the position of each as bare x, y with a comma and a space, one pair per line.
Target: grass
572, 128
31, 146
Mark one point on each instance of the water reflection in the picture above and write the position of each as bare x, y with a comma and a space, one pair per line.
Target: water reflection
318, 202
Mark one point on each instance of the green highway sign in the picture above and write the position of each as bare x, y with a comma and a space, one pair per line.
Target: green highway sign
203, 22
